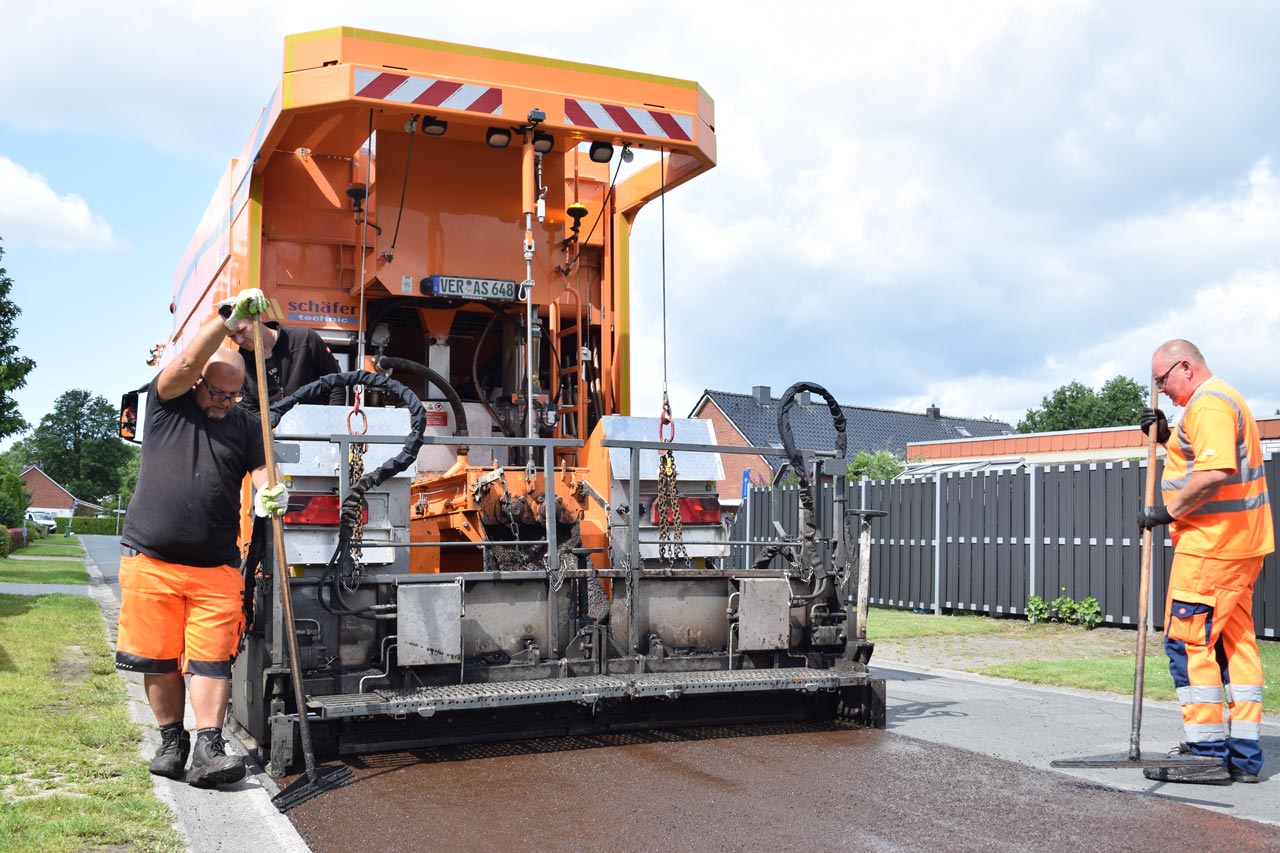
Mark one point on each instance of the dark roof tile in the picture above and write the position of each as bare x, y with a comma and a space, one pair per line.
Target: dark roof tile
867, 428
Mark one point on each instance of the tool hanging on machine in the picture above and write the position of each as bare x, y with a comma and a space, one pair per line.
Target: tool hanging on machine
1134, 757
317, 780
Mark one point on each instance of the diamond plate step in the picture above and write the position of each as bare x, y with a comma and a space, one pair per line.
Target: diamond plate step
427, 701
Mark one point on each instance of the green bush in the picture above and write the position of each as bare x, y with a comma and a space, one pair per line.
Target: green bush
91, 526
1065, 609
13, 499
1037, 610
1089, 613
36, 531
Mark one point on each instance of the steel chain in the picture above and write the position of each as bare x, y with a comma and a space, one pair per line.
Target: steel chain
355, 470
670, 532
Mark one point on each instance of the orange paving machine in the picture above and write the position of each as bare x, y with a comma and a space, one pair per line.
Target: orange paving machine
526, 557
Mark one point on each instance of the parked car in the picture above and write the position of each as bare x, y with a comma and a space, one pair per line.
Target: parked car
44, 519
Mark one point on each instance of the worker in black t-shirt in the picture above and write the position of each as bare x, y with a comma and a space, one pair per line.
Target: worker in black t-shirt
296, 356
181, 606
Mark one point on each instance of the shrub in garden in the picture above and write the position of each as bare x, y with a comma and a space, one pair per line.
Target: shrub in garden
1065, 609
1037, 610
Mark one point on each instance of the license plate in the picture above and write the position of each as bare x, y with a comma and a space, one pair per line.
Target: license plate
474, 288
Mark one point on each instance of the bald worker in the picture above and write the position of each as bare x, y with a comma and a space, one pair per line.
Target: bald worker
1219, 517
181, 606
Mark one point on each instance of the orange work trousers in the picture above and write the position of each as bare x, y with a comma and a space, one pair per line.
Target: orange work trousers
1213, 656
177, 618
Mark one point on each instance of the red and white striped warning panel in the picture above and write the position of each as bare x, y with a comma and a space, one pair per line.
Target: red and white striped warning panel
423, 91
628, 120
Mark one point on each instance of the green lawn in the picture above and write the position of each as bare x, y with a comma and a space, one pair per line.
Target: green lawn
1104, 669
71, 777
887, 624
43, 571
1115, 675
55, 546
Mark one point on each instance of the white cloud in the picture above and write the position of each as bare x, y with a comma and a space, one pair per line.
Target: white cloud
914, 203
32, 213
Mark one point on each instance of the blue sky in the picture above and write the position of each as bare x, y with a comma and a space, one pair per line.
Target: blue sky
966, 204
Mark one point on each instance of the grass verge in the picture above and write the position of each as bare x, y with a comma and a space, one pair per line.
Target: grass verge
887, 624
58, 546
43, 571
70, 774
1115, 675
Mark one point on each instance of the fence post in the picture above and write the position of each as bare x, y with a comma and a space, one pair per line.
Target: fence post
1031, 531
937, 544
862, 504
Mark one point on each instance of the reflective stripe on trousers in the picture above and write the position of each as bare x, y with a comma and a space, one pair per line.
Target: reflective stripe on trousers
1213, 656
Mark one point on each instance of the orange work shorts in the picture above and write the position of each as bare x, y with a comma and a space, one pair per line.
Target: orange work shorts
176, 618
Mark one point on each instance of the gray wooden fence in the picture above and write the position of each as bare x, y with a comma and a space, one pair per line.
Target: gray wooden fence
986, 541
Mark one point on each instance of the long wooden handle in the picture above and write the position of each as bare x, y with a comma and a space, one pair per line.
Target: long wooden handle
1144, 589
282, 564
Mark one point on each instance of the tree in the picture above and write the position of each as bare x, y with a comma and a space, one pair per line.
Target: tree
13, 367
13, 500
77, 445
1121, 401
17, 456
1076, 406
881, 465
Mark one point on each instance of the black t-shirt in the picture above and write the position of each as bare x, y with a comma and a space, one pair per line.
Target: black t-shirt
298, 358
186, 507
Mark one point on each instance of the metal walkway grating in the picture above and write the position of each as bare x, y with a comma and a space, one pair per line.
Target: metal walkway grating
427, 701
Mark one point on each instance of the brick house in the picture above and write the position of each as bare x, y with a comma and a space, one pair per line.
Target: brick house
751, 420
49, 496
1106, 444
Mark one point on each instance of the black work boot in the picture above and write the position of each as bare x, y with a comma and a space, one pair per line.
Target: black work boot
210, 764
1238, 775
171, 756
1193, 774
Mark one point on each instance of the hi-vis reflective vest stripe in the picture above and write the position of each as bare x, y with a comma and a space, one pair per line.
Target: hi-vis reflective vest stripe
426, 92
657, 123
1218, 432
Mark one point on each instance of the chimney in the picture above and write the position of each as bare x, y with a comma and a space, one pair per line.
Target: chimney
803, 398
762, 394
933, 412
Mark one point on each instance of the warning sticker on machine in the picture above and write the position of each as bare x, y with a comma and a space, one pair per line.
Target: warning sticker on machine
474, 288
436, 414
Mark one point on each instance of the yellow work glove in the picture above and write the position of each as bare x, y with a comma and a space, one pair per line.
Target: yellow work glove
271, 500
250, 302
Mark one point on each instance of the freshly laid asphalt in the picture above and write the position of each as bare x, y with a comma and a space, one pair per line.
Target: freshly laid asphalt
957, 747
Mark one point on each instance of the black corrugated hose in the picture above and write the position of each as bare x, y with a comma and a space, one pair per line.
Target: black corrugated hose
342, 563
809, 555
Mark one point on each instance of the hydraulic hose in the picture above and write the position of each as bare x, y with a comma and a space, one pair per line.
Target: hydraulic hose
475, 365
475, 371
342, 559
809, 554
436, 379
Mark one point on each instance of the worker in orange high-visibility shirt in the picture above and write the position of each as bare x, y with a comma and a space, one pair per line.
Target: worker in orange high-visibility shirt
1216, 503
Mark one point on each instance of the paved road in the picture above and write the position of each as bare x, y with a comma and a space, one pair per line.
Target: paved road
105, 553
1035, 725
744, 788
963, 765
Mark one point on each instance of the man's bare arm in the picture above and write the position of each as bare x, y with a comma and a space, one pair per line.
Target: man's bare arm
180, 374
1200, 489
